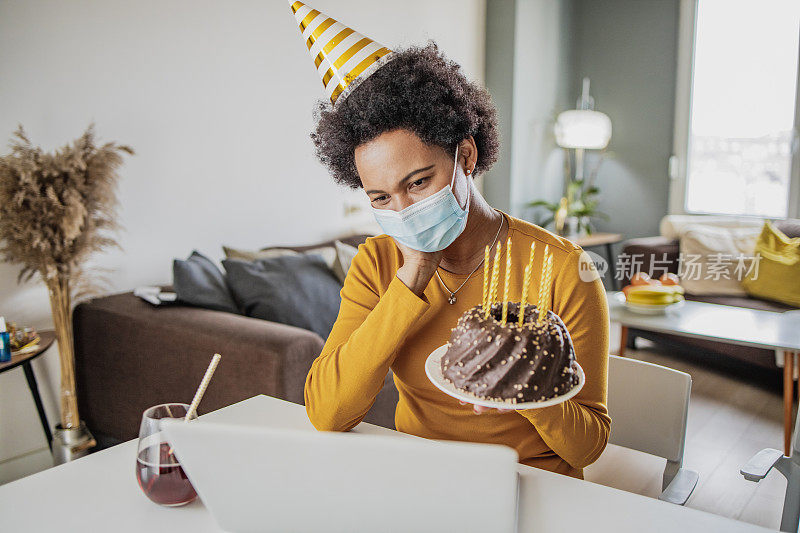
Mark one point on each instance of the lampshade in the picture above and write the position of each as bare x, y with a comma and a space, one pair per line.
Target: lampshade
583, 128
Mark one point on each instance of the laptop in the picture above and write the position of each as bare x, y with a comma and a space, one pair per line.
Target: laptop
266, 479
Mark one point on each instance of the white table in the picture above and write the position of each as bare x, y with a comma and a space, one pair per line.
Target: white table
99, 492
724, 323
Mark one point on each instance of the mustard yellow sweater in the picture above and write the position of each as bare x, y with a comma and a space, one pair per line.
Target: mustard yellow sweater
382, 324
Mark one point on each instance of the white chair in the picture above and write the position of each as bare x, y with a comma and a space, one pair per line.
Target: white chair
648, 405
761, 463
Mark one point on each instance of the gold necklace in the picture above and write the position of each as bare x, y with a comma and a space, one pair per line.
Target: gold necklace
452, 299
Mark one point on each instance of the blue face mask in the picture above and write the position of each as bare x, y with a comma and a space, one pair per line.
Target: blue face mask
430, 225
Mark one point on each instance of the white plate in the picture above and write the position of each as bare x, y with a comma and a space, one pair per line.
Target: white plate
433, 369
645, 309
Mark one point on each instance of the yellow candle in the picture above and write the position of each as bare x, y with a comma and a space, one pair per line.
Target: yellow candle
525, 282
539, 294
506, 281
549, 287
485, 278
530, 256
544, 288
495, 279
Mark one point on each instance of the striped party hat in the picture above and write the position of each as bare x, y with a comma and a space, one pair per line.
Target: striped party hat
343, 57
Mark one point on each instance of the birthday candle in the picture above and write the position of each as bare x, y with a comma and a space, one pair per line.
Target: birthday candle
506, 281
495, 279
544, 288
539, 294
523, 301
549, 287
485, 278
530, 256
525, 283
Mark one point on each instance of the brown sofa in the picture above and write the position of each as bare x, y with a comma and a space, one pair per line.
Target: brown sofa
130, 355
648, 248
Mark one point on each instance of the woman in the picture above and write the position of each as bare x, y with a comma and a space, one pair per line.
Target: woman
413, 129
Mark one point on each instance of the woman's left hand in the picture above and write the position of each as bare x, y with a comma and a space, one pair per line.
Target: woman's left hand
478, 409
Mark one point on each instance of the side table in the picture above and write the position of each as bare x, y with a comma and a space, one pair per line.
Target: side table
607, 240
46, 338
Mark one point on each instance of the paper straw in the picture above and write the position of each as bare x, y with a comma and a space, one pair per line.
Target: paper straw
199, 394
203, 384
506, 281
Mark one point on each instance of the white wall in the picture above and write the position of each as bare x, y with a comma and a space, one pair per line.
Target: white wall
629, 50
216, 99
541, 76
529, 60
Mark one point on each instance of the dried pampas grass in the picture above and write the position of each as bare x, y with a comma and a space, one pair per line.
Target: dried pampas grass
56, 209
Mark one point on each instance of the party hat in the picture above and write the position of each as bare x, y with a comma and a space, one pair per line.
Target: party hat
343, 57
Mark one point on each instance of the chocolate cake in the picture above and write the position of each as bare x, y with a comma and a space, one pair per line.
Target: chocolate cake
509, 363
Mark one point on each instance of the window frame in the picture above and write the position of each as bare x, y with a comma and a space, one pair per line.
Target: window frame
678, 162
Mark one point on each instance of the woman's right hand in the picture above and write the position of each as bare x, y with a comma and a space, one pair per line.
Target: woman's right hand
418, 267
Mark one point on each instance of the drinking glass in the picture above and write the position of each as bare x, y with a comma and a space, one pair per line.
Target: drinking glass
158, 471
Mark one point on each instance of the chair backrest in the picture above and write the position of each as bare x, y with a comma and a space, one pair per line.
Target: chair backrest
648, 405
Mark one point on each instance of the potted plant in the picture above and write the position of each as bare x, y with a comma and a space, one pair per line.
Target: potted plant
572, 216
56, 209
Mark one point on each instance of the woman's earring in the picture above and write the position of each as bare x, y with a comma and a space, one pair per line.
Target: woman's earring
468, 172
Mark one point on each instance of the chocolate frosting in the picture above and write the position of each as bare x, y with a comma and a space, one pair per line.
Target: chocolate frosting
513, 364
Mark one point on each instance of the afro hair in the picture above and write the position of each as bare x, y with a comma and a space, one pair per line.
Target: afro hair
419, 90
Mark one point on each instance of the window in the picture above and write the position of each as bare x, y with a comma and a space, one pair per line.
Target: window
741, 115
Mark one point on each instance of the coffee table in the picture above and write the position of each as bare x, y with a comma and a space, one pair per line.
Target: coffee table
100, 492
724, 323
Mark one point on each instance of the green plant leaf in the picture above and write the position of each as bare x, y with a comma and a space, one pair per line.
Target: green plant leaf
543, 203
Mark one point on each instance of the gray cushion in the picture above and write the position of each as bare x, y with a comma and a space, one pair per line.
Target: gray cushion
789, 226
198, 281
299, 290
344, 258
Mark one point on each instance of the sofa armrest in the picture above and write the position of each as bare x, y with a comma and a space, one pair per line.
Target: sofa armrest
653, 255
131, 355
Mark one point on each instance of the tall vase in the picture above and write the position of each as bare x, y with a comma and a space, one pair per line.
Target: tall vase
72, 439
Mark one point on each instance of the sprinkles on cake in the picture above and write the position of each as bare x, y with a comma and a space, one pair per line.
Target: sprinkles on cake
505, 332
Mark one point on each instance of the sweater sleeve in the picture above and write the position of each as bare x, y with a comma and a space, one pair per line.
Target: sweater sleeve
577, 430
350, 371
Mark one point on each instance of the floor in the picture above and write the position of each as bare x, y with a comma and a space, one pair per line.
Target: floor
730, 419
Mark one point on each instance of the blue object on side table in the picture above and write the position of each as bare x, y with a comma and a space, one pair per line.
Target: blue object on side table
5, 342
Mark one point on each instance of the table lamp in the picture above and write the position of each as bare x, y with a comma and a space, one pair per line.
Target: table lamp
583, 129
579, 129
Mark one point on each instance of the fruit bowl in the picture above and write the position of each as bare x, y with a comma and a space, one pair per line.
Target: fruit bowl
648, 309
649, 296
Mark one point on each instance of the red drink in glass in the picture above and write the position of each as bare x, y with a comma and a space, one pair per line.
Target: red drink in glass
158, 470
163, 481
